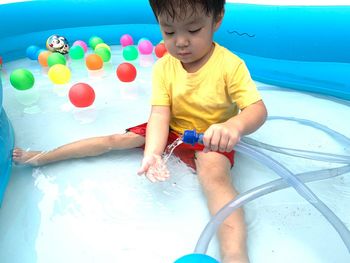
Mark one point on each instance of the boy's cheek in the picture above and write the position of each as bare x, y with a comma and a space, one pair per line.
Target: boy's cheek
168, 45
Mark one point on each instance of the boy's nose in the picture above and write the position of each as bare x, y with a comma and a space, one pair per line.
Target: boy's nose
182, 42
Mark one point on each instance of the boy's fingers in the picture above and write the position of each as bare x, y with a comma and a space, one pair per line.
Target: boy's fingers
145, 165
150, 177
143, 169
206, 150
162, 177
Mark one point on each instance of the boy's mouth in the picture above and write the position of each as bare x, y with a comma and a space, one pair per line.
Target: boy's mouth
183, 54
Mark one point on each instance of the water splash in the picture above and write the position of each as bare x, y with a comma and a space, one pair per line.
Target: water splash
169, 150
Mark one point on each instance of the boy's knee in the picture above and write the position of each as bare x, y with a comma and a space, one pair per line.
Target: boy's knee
212, 178
213, 172
213, 164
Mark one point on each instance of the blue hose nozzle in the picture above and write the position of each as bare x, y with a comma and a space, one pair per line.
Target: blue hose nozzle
192, 137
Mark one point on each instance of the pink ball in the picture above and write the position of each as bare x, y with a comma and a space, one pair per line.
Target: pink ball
82, 44
126, 40
145, 47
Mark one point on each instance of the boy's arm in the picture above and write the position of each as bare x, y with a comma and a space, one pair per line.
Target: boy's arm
224, 136
157, 130
249, 119
156, 140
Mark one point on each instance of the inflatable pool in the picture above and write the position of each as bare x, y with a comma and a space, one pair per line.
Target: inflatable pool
302, 48
298, 47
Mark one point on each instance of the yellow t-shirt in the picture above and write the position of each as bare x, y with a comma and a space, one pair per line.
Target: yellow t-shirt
213, 94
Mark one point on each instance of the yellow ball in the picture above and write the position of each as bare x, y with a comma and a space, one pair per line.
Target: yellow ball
59, 74
102, 45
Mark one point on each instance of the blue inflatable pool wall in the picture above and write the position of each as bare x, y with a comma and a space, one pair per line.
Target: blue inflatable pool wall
299, 47
6, 146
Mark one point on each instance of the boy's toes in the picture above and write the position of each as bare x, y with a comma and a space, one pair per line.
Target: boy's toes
17, 153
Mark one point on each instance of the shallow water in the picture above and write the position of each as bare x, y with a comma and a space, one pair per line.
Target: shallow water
98, 210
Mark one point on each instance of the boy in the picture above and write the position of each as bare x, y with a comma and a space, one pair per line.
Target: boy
201, 86
198, 85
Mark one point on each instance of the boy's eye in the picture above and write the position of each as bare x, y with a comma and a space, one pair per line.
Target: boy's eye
169, 33
194, 31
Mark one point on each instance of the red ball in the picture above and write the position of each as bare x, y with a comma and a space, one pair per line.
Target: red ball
81, 95
126, 72
160, 50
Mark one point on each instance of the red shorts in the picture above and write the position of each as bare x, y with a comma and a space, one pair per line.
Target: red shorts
186, 152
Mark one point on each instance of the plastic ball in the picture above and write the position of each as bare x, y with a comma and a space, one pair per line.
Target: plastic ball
103, 45
81, 95
81, 43
130, 53
145, 47
126, 72
94, 62
142, 39
56, 58
39, 51
94, 41
196, 258
126, 40
59, 74
1, 62
160, 50
32, 52
22, 79
43, 57
104, 53
56, 43
76, 52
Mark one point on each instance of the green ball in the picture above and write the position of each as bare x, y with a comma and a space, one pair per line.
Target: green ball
104, 53
56, 58
130, 53
22, 79
94, 41
76, 52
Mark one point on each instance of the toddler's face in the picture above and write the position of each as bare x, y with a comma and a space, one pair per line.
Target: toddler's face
189, 37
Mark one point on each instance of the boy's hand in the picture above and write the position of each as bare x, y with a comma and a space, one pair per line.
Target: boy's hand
220, 137
154, 168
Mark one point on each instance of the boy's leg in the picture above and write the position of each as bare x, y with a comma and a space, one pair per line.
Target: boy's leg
83, 148
213, 171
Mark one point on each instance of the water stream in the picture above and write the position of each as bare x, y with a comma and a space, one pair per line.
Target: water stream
169, 150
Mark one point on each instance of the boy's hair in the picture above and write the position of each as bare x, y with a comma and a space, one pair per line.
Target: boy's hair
178, 8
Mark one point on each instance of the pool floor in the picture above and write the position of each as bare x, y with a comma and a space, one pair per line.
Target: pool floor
98, 210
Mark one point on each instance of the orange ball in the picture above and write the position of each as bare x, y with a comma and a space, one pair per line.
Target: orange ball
94, 62
160, 50
42, 58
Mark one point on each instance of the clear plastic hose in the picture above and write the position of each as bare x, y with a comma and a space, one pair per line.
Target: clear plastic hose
312, 155
288, 179
335, 135
318, 156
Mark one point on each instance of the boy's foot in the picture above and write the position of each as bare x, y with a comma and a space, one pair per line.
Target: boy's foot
20, 156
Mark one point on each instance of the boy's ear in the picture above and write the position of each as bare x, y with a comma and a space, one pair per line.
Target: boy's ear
218, 21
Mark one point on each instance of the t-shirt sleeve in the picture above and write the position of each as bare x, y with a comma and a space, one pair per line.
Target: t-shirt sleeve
241, 87
160, 91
